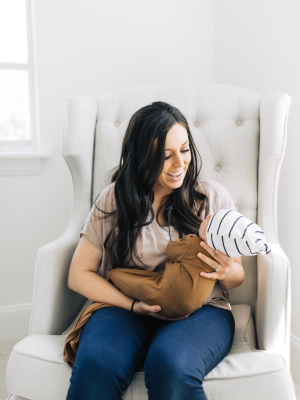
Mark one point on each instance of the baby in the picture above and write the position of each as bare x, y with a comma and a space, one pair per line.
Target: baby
180, 290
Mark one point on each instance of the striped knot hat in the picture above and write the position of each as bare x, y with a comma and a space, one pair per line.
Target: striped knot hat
235, 235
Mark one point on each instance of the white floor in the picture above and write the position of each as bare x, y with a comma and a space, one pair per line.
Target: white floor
5, 350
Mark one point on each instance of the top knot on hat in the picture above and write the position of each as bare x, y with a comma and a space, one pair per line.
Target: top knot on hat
235, 235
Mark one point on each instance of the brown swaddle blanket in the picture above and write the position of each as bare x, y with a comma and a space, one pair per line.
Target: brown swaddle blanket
179, 291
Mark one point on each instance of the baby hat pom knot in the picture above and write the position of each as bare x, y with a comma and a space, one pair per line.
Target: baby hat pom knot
260, 243
235, 235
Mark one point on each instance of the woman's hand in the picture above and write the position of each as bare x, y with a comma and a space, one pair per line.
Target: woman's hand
230, 271
151, 311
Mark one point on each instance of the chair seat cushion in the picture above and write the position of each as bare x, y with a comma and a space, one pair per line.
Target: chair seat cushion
36, 369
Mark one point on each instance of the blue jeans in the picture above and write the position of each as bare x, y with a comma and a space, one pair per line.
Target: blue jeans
115, 343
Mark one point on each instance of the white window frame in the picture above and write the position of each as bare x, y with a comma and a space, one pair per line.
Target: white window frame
26, 146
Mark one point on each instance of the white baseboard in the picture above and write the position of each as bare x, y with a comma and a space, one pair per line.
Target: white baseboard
295, 357
14, 321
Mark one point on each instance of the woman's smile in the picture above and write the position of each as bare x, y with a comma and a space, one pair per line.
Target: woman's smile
176, 175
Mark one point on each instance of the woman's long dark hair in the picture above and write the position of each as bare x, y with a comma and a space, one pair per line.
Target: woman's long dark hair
136, 175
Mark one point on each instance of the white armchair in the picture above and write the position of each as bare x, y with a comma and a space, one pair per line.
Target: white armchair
241, 137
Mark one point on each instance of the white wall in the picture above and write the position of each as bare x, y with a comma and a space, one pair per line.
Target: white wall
88, 48
256, 46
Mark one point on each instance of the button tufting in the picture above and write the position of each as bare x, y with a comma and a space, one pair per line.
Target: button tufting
196, 124
117, 123
217, 167
239, 123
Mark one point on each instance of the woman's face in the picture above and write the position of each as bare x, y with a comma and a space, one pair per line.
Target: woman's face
177, 159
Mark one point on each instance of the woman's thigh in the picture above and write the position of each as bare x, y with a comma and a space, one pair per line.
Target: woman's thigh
113, 345
183, 352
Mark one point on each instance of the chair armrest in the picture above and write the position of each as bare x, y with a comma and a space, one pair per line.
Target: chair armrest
273, 305
274, 111
54, 305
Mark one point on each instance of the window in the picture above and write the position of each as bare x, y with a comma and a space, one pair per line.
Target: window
18, 102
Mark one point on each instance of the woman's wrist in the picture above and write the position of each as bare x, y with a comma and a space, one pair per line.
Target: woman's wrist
133, 303
236, 277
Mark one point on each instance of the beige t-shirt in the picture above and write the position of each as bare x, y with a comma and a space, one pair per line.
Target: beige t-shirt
152, 243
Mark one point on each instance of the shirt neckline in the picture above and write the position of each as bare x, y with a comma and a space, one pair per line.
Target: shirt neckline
159, 234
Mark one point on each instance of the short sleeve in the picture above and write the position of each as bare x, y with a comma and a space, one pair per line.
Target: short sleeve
225, 200
96, 228
218, 196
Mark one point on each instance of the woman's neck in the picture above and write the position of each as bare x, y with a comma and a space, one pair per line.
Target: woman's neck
156, 204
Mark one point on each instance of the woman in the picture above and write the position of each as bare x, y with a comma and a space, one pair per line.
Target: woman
157, 185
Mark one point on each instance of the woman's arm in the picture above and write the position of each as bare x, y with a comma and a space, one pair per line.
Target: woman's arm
230, 273
83, 277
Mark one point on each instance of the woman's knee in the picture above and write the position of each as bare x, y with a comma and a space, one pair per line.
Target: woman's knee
173, 377
164, 364
97, 355
106, 358
104, 373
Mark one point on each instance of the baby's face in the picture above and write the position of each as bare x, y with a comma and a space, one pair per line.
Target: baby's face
203, 227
